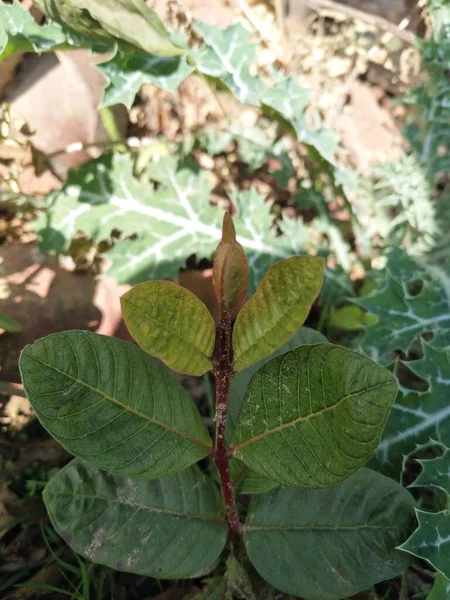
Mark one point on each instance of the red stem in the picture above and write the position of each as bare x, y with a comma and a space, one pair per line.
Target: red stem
224, 372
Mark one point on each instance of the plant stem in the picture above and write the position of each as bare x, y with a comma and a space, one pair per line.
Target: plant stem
223, 373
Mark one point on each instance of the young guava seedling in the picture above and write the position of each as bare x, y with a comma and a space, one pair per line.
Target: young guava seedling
306, 417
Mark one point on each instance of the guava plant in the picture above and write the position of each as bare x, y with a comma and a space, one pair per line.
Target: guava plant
319, 525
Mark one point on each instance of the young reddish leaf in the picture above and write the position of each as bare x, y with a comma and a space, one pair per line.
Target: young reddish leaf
230, 274
277, 310
169, 322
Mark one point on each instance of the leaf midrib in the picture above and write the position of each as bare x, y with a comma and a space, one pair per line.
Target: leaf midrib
124, 406
137, 505
283, 426
248, 528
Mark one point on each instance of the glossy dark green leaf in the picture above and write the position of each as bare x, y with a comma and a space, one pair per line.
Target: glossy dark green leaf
240, 380
330, 544
111, 404
314, 415
431, 540
166, 528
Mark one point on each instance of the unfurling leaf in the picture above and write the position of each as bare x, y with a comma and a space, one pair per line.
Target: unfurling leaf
171, 527
314, 415
277, 310
170, 322
129, 21
330, 544
230, 273
111, 404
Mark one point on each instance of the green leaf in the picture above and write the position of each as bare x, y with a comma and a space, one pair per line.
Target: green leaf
20, 33
288, 100
127, 72
166, 528
9, 324
402, 315
240, 380
330, 544
227, 57
431, 540
238, 580
277, 310
435, 472
412, 219
247, 481
350, 318
173, 221
314, 415
170, 322
441, 588
418, 416
109, 403
129, 21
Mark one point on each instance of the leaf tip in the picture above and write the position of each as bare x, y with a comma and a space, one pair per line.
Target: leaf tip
228, 229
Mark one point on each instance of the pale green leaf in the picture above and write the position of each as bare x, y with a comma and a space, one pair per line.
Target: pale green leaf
330, 544
350, 318
166, 528
9, 324
129, 21
227, 56
431, 540
288, 99
314, 415
412, 219
240, 380
127, 72
277, 310
170, 322
111, 404
402, 315
417, 417
172, 221
441, 588
20, 33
